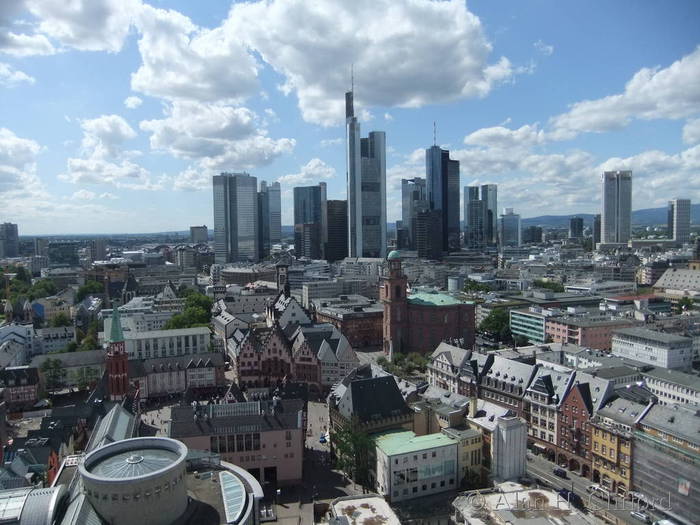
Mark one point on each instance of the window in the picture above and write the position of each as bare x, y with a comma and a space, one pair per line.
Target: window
442, 483
415, 489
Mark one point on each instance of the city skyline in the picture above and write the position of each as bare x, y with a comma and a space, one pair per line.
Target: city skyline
145, 135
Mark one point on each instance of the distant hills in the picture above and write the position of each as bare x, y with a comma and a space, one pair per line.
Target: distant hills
645, 217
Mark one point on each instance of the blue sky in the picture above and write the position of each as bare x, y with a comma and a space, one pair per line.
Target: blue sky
114, 114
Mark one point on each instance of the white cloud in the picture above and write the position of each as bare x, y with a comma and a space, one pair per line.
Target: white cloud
20, 188
87, 25
19, 44
132, 102
691, 131
326, 143
312, 172
388, 117
502, 137
652, 93
83, 195
545, 49
184, 62
104, 136
109, 196
10, 77
375, 36
217, 135
193, 179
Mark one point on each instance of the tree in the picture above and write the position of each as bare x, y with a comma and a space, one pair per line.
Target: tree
89, 288
42, 288
520, 340
86, 377
197, 312
684, 304
21, 274
353, 448
555, 287
54, 372
70, 347
61, 319
497, 323
474, 286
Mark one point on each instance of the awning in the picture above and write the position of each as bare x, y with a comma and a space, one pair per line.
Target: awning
541, 447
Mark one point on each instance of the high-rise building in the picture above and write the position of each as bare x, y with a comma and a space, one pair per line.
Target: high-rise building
509, 230
366, 180
98, 249
596, 230
474, 218
413, 198
41, 247
532, 235
235, 218
199, 234
263, 220
337, 219
576, 228
429, 234
274, 199
309, 203
489, 194
442, 185
616, 216
679, 220
9, 240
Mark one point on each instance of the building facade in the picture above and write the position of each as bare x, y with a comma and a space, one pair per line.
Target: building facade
509, 232
236, 236
616, 216
413, 199
336, 246
679, 220
654, 348
442, 192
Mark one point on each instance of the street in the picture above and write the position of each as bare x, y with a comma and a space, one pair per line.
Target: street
619, 510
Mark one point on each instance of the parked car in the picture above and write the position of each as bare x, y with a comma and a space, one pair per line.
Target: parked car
322, 439
571, 497
558, 471
642, 516
601, 492
525, 480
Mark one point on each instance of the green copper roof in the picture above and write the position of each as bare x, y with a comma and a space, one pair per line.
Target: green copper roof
433, 299
392, 443
393, 254
115, 333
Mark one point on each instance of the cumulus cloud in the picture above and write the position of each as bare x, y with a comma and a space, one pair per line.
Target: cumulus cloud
502, 137
326, 143
132, 102
104, 136
10, 77
310, 173
184, 62
18, 43
691, 131
545, 49
375, 35
672, 92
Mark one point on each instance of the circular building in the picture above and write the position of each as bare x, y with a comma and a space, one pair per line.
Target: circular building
139, 480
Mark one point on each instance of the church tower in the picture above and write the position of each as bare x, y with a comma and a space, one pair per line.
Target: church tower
393, 294
117, 360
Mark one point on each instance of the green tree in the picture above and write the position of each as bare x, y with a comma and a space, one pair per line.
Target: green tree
474, 286
520, 340
42, 288
197, 312
353, 448
555, 287
61, 319
89, 288
497, 323
684, 304
23, 275
86, 377
54, 372
70, 347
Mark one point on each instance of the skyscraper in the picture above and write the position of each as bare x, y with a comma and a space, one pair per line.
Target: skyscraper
616, 216
236, 224
413, 197
489, 194
474, 218
679, 220
309, 203
576, 228
9, 240
199, 234
442, 184
429, 234
509, 230
263, 220
366, 183
596, 230
275, 206
337, 219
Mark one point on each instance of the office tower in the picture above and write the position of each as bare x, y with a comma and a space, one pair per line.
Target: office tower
64, 254
576, 228
337, 219
596, 230
366, 183
41, 247
489, 194
309, 203
616, 216
263, 220
429, 236
98, 249
679, 220
413, 193
199, 234
474, 218
402, 242
274, 198
509, 231
9, 240
442, 184
235, 218
532, 235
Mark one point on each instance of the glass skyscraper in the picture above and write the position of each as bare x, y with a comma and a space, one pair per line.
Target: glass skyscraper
236, 221
309, 220
616, 216
489, 194
442, 183
413, 200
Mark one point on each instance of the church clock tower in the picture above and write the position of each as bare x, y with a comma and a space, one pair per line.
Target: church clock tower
393, 295
117, 360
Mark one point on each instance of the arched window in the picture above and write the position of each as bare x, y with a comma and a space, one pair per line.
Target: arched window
397, 291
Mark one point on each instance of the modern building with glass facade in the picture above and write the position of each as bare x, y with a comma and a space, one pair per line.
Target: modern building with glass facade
442, 185
509, 228
309, 220
337, 220
679, 220
616, 216
9, 240
236, 221
489, 194
413, 200
366, 183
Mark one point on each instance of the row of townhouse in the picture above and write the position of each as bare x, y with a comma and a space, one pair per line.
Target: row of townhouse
584, 422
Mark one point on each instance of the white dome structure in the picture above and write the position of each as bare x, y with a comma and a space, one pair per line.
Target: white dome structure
139, 480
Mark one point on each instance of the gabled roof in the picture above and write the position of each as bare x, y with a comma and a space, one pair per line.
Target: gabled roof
455, 355
372, 399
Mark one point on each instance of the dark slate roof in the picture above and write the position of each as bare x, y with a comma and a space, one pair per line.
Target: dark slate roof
254, 416
375, 398
139, 368
17, 373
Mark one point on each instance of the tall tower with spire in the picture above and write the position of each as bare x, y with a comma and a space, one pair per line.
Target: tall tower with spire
117, 360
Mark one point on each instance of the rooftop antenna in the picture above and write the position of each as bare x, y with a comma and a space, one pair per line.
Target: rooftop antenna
352, 77
434, 134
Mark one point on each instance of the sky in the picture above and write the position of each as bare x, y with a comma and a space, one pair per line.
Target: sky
115, 114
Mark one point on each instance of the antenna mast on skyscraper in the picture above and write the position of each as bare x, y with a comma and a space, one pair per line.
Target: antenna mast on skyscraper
434, 133
352, 77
